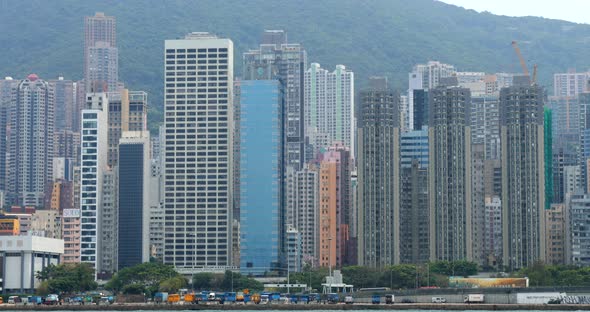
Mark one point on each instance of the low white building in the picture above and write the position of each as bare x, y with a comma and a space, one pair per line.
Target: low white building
22, 256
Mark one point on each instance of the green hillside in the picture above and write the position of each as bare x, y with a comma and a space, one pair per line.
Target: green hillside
372, 37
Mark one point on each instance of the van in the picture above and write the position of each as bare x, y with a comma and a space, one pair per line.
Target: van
349, 299
439, 300
264, 299
14, 300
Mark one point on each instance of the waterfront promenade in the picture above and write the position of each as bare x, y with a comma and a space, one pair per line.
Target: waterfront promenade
300, 307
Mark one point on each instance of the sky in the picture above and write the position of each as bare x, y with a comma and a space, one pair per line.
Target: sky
569, 10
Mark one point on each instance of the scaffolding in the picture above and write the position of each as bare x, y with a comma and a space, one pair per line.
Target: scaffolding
548, 141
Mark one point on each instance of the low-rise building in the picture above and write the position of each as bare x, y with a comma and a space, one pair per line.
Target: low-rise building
46, 223
71, 235
22, 256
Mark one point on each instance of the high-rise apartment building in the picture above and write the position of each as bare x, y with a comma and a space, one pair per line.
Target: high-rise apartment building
420, 108
555, 222
450, 172
572, 180
294, 256
66, 144
198, 162
30, 138
6, 87
329, 107
570, 84
425, 77
327, 217
378, 176
66, 109
523, 179
59, 195
93, 165
578, 247
562, 157
101, 61
302, 209
492, 231
414, 214
566, 125
414, 211
261, 179
127, 112
478, 203
492, 177
134, 201
485, 124
109, 223
277, 59
336, 203
584, 151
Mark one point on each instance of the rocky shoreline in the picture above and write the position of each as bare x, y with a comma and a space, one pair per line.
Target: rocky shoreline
300, 307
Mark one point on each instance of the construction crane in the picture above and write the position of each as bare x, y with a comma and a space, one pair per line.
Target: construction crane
523, 63
520, 58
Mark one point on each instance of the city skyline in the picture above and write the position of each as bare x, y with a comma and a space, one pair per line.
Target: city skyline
280, 164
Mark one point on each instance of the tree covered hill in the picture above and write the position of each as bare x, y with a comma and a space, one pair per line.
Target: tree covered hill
372, 37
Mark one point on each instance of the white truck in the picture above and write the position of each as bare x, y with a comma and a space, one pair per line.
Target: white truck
474, 298
537, 298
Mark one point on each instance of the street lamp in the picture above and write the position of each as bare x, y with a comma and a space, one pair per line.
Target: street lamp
330, 262
194, 254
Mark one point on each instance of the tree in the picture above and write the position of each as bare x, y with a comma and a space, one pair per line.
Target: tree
149, 274
133, 289
454, 268
173, 284
211, 281
361, 277
313, 276
202, 280
67, 278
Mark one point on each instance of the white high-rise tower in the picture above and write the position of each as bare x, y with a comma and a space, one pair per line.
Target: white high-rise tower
329, 107
198, 160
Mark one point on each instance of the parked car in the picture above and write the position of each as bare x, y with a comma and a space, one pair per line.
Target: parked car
439, 300
376, 299
389, 299
52, 299
14, 300
407, 300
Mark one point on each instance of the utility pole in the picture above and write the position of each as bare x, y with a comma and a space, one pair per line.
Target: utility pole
330, 262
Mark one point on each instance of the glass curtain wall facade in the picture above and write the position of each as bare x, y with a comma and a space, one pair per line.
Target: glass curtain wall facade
261, 141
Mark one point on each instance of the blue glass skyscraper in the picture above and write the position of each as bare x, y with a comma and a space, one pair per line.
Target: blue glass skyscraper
261, 181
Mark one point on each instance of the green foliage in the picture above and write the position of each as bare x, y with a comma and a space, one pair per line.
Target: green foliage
454, 268
225, 282
173, 284
43, 289
149, 274
203, 280
133, 289
317, 277
67, 278
381, 37
540, 274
